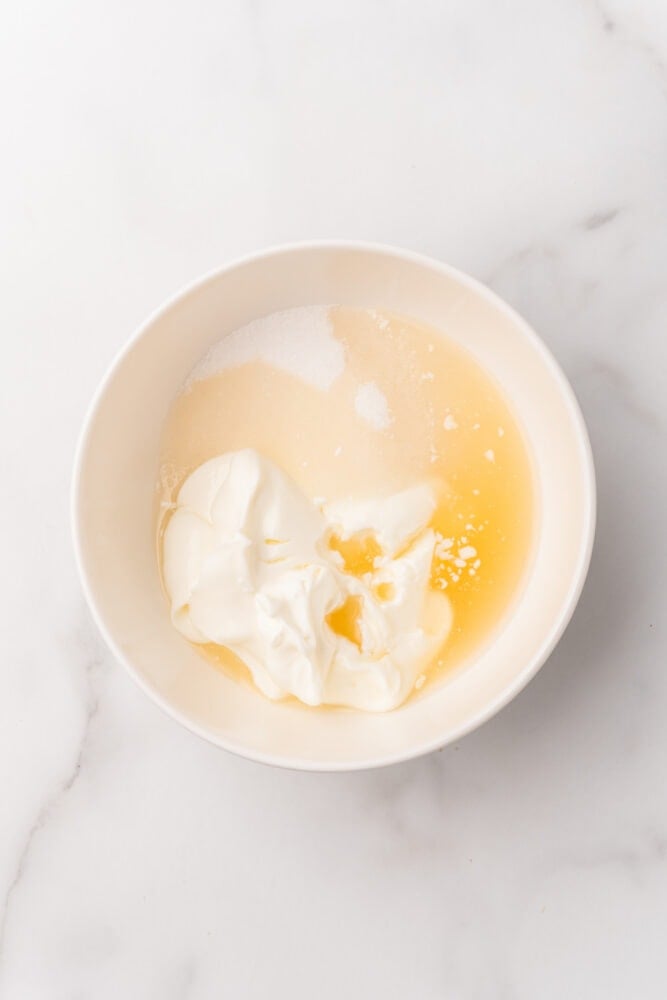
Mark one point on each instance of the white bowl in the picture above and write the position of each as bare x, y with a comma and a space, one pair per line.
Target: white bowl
113, 494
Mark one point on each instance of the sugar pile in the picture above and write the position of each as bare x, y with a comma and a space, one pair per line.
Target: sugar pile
371, 405
299, 341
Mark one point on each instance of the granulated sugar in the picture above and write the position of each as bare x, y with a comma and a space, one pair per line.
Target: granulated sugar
371, 405
299, 341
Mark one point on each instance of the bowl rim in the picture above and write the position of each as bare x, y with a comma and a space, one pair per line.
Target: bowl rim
551, 637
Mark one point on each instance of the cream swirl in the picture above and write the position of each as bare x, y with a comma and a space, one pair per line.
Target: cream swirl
251, 563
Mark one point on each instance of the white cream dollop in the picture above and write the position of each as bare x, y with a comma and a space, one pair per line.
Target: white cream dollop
247, 564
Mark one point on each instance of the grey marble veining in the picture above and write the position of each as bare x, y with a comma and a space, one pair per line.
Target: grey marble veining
526, 143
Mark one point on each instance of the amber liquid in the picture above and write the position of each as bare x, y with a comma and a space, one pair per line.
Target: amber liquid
451, 426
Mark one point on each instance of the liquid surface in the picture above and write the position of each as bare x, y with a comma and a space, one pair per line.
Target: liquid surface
408, 405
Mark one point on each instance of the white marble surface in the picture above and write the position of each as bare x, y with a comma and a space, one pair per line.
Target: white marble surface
524, 141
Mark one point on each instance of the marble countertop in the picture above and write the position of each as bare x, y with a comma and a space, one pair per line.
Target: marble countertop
525, 142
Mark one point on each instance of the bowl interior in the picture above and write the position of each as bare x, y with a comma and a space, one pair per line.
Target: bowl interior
114, 491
